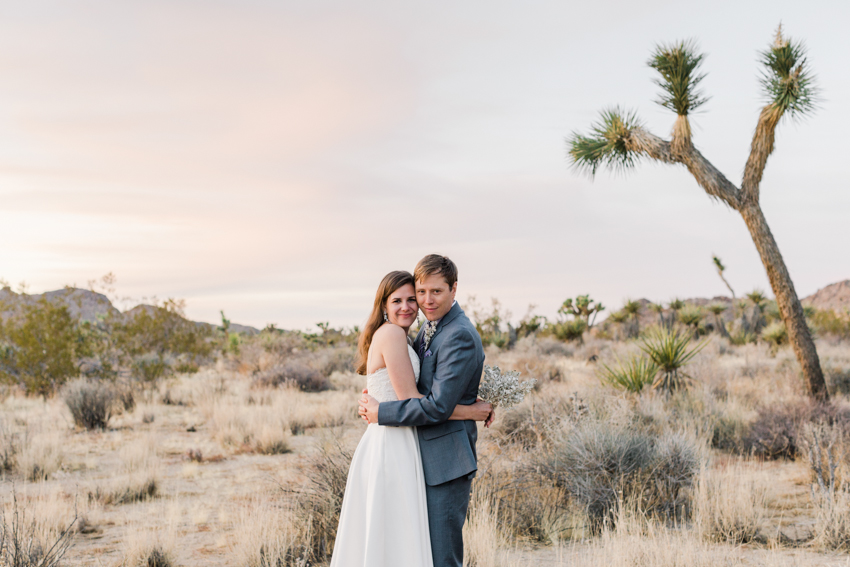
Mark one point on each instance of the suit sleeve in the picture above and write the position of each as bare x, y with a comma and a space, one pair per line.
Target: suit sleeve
455, 368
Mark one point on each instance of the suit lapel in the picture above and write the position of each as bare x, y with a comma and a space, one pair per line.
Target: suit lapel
451, 315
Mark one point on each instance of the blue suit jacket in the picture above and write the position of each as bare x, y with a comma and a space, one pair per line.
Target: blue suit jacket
450, 374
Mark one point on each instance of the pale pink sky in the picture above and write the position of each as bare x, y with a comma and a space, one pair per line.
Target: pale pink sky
275, 159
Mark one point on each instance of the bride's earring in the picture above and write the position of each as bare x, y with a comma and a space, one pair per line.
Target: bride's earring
385, 317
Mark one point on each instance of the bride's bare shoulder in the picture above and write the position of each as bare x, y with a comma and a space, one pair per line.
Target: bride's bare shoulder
388, 332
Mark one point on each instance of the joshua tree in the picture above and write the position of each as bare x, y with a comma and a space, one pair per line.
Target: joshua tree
633, 309
758, 298
619, 140
658, 308
691, 316
583, 308
716, 309
720, 269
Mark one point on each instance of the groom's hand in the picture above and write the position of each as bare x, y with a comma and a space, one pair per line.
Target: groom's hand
369, 408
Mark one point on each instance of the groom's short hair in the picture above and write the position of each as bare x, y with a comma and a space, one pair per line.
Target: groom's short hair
436, 264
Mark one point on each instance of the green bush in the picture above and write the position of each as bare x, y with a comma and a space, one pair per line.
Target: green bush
39, 347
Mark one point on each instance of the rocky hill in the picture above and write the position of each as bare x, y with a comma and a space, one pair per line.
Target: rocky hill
84, 304
834, 296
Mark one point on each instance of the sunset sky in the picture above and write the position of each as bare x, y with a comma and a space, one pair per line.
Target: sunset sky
276, 159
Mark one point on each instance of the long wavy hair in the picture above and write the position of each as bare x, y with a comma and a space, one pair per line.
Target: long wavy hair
387, 287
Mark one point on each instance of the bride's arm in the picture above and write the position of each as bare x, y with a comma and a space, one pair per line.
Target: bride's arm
392, 347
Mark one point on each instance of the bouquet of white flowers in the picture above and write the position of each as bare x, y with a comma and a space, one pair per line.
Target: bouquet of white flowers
503, 390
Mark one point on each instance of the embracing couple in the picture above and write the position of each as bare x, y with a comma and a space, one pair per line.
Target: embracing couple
410, 477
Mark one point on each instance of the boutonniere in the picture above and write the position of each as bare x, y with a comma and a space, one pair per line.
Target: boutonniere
430, 329
427, 353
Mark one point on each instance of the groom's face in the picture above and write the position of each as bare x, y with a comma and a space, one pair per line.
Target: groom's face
434, 296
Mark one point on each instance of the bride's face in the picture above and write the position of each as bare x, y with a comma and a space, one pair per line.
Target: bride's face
402, 307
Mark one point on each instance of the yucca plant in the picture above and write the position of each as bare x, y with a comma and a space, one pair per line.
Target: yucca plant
668, 349
633, 375
775, 335
619, 140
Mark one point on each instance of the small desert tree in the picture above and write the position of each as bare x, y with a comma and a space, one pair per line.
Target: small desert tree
619, 140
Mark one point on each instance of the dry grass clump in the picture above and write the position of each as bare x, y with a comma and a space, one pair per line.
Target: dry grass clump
40, 455
92, 402
29, 539
140, 478
264, 429
318, 503
136, 487
827, 447
266, 536
149, 549
635, 541
484, 542
730, 504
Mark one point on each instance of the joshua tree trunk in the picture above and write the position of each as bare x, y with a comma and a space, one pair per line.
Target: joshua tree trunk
787, 300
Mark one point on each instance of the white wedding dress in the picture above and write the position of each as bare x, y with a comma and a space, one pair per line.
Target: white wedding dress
384, 517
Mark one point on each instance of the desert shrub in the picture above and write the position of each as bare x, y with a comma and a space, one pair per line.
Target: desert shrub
319, 503
153, 340
776, 433
92, 402
567, 331
293, 371
831, 322
838, 380
24, 541
335, 359
600, 464
40, 347
548, 346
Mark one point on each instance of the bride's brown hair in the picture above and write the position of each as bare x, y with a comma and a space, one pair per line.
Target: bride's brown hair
387, 287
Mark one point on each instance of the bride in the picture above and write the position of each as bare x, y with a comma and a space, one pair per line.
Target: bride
384, 516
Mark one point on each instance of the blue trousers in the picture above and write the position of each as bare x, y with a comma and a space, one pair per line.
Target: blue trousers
447, 505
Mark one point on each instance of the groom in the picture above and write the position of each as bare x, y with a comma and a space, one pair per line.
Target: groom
452, 359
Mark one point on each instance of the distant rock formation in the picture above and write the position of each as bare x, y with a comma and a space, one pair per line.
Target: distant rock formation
86, 305
834, 296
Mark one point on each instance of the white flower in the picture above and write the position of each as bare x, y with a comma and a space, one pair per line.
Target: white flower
430, 329
503, 390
